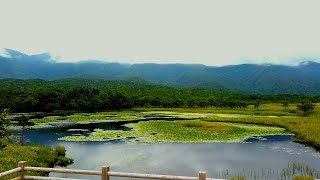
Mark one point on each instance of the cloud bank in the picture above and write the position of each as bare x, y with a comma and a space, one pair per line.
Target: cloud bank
211, 32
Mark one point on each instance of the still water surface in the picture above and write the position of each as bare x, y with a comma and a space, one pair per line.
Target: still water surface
256, 158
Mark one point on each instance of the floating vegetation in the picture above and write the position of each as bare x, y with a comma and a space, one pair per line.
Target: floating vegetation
78, 130
82, 118
305, 128
100, 135
213, 127
180, 131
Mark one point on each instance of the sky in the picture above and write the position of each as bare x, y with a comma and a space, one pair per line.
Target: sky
211, 32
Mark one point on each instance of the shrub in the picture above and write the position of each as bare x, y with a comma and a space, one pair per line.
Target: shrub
60, 151
64, 161
306, 107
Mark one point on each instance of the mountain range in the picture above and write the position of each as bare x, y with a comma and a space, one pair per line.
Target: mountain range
246, 78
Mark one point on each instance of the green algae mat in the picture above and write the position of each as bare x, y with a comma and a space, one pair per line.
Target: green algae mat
187, 131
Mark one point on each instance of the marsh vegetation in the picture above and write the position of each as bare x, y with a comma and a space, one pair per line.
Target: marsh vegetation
195, 119
113, 133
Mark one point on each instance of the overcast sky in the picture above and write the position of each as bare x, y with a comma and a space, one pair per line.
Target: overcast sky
207, 32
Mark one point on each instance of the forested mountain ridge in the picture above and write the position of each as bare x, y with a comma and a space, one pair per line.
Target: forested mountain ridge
246, 78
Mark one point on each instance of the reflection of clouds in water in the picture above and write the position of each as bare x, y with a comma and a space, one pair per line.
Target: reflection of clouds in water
295, 150
316, 154
189, 159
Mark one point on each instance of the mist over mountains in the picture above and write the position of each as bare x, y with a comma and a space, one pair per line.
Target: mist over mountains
247, 78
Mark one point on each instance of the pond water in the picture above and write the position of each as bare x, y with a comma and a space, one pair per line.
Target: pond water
265, 157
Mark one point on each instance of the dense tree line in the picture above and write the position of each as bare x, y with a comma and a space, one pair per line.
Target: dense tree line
97, 95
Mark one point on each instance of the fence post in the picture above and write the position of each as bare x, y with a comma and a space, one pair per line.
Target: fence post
105, 169
202, 175
22, 173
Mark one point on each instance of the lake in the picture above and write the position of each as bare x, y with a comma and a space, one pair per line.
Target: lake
266, 157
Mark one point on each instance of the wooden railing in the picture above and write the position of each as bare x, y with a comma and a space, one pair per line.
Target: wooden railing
105, 174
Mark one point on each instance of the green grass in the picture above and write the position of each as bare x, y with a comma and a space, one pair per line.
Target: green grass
101, 135
306, 129
85, 118
272, 109
180, 131
207, 126
35, 155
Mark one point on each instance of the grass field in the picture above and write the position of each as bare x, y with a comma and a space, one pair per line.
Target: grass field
306, 129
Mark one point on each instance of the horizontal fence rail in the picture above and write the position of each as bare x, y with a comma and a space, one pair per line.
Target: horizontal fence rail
46, 178
105, 174
10, 172
60, 170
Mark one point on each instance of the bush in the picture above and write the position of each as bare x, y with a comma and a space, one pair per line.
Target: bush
35, 155
64, 161
306, 107
60, 151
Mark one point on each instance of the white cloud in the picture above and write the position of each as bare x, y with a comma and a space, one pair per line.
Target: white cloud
4, 53
210, 32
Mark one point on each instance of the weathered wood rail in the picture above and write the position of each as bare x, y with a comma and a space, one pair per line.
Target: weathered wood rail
105, 174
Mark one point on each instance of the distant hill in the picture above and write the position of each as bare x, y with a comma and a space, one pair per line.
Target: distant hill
247, 78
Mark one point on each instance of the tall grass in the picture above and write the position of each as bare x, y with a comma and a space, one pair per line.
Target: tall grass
295, 170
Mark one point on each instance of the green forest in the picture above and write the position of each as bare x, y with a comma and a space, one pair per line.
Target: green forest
87, 95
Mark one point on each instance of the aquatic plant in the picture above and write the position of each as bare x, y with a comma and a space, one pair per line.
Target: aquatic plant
179, 131
305, 128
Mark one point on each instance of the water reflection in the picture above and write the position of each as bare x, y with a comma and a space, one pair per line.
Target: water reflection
257, 155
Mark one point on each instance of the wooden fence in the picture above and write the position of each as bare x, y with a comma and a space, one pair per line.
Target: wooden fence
105, 174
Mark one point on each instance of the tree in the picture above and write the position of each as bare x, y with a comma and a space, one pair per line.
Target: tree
4, 123
212, 101
306, 107
23, 122
285, 104
256, 104
243, 105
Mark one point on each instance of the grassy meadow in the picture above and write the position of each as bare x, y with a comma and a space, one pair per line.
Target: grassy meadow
305, 128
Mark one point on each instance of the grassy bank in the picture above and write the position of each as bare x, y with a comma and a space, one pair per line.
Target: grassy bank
272, 109
306, 129
35, 155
